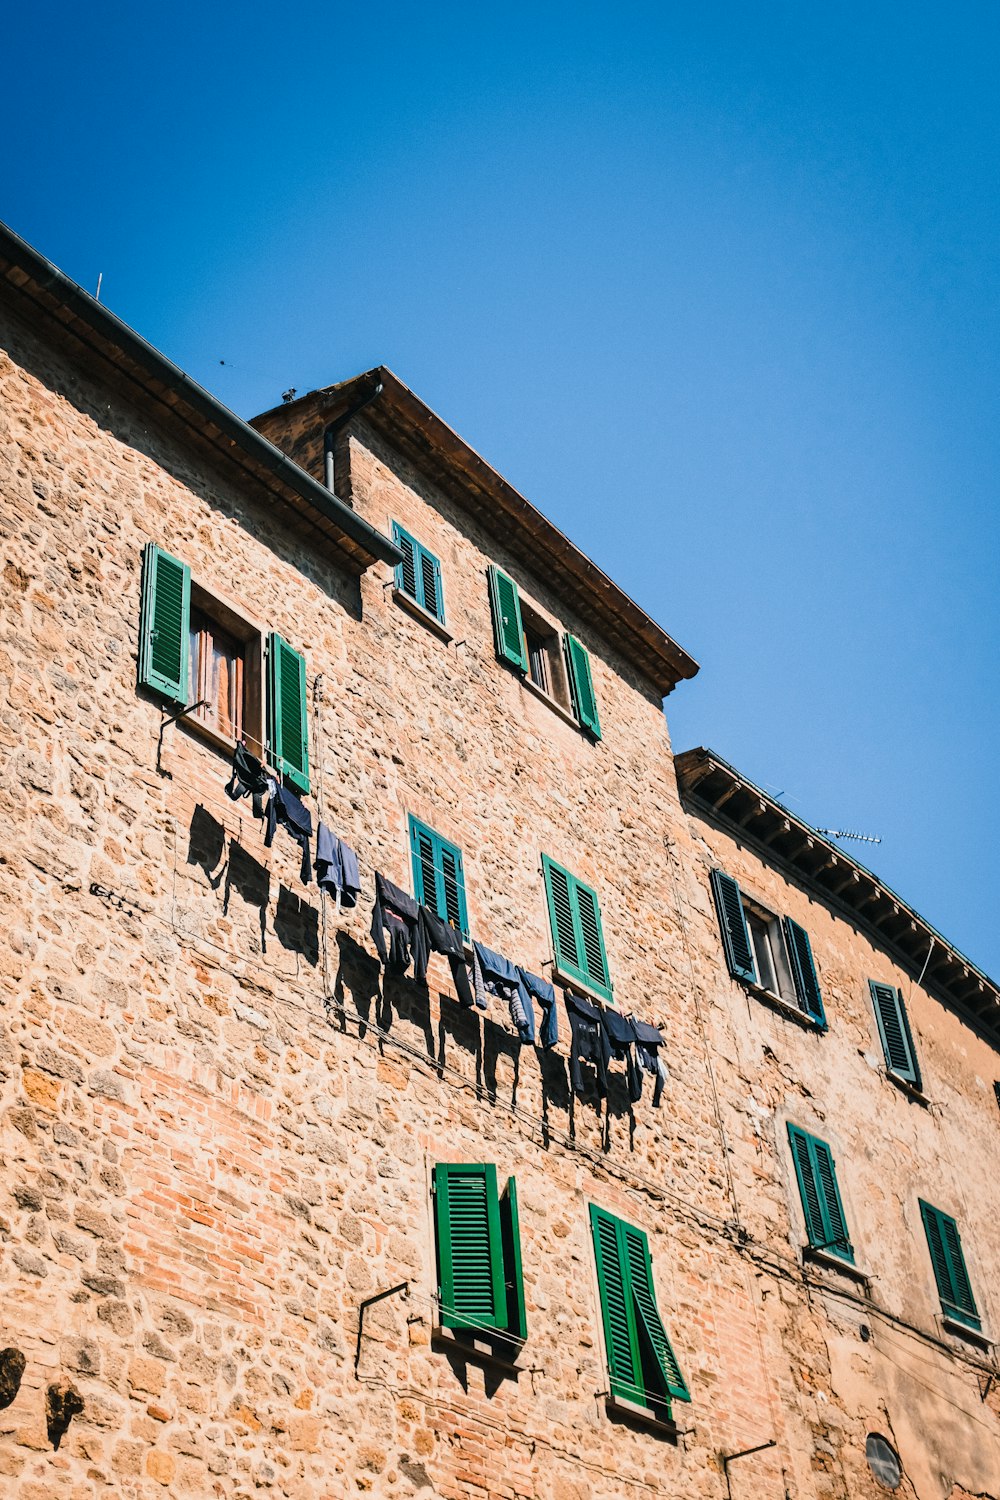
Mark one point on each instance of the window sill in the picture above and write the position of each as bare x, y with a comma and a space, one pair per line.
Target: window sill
224, 742
552, 703
571, 983
909, 1089
963, 1331
423, 615
831, 1262
617, 1406
785, 1007
499, 1352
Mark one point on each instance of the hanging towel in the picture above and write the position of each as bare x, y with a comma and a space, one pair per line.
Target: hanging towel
337, 868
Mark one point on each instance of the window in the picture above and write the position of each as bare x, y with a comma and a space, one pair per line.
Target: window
576, 929
950, 1274
438, 875
883, 1460
527, 642
480, 1281
195, 649
826, 1224
773, 953
418, 576
894, 1029
642, 1367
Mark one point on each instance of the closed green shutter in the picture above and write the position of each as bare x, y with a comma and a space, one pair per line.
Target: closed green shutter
508, 632
438, 875
577, 933
733, 922
642, 1365
948, 1262
581, 685
287, 712
165, 624
804, 971
894, 1029
510, 1235
815, 1169
471, 1284
418, 575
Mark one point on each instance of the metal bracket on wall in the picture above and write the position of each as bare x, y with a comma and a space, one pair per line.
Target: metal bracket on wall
402, 1286
984, 1390
173, 719
730, 1458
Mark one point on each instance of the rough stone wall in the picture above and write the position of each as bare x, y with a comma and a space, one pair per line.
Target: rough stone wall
217, 1122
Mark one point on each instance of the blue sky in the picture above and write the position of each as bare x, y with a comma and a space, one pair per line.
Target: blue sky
716, 286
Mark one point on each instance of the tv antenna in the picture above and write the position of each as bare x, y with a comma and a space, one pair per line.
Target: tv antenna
847, 833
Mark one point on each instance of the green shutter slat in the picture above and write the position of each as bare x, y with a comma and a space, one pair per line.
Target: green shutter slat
582, 685
508, 631
510, 1233
287, 712
165, 624
733, 922
617, 1315
561, 916
470, 1252
894, 1028
648, 1320
804, 971
593, 937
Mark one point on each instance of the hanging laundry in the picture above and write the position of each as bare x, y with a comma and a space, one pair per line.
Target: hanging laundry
589, 1043
495, 975
249, 779
337, 868
285, 808
396, 913
648, 1041
620, 1035
442, 937
542, 991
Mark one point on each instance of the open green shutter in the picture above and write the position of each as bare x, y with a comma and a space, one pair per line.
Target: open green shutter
805, 1172
948, 1262
425, 885
804, 971
406, 570
618, 1317
510, 1235
648, 1320
470, 1252
452, 886
431, 588
557, 888
733, 922
835, 1227
287, 714
582, 685
165, 624
592, 935
508, 632
894, 1029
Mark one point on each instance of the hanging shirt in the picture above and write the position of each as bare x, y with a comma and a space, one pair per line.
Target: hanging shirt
620, 1034
248, 779
441, 937
285, 808
588, 1043
337, 868
496, 975
396, 913
648, 1041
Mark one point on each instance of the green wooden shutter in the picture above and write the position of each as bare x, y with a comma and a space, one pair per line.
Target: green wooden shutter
733, 922
438, 875
165, 624
894, 1029
815, 1169
287, 712
452, 886
577, 933
425, 891
648, 1320
510, 1235
620, 1337
948, 1262
804, 971
470, 1252
508, 631
431, 590
406, 571
581, 685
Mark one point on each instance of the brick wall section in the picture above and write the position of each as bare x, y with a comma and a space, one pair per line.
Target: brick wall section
218, 1122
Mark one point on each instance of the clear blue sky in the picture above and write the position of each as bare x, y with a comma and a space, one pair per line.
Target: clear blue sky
717, 286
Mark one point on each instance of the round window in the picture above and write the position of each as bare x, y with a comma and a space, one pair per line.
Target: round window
883, 1460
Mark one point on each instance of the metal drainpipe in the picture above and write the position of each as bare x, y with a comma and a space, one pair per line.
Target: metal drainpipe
330, 435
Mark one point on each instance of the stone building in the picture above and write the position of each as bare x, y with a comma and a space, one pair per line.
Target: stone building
279, 1219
